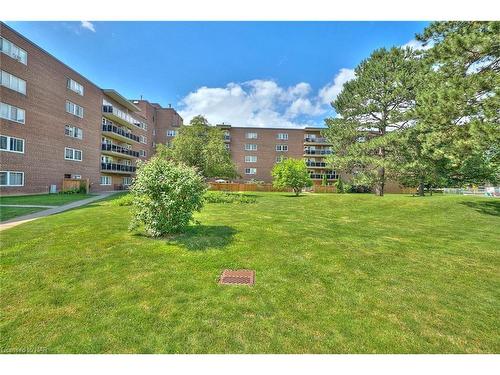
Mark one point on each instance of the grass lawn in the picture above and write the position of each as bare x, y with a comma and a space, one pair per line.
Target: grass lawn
43, 199
334, 274
7, 213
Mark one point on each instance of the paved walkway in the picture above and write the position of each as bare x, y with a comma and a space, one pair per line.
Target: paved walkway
26, 205
53, 210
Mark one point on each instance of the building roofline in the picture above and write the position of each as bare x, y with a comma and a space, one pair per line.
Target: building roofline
117, 97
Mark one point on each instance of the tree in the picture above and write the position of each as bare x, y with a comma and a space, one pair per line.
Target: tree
202, 146
165, 195
459, 104
291, 173
372, 109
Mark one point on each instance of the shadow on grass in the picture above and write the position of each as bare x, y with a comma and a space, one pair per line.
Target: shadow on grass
203, 237
294, 196
485, 207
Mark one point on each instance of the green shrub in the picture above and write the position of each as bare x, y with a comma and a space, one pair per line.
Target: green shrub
164, 196
224, 197
124, 200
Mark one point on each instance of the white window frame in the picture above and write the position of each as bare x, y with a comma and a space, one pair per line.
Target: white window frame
74, 109
127, 179
9, 109
142, 153
282, 136
171, 133
12, 82
250, 158
107, 178
282, 148
73, 154
250, 170
75, 86
13, 50
8, 177
250, 147
8, 140
73, 131
279, 158
251, 135
143, 139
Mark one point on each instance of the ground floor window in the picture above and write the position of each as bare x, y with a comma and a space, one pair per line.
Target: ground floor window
250, 170
105, 180
127, 181
11, 178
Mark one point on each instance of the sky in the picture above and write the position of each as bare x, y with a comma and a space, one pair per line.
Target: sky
262, 74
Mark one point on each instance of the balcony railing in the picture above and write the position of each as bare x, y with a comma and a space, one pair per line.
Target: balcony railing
318, 152
117, 167
316, 140
119, 149
319, 176
106, 108
316, 164
117, 130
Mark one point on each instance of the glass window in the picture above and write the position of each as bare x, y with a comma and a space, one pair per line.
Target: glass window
75, 86
250, 147
250, 159
13, 82
11, 144
283, 136
251, 135
12, 50
250, 170
9, 178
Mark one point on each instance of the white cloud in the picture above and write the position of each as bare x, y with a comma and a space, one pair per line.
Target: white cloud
329, 92
88, 25
262, 103
416, 45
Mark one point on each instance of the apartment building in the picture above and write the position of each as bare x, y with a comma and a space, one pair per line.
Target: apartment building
255, 151
56, 124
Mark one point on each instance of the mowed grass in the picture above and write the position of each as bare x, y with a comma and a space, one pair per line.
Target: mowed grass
7, 213
44, 199
334, 274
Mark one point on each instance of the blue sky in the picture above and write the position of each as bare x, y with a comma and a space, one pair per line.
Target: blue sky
243, 73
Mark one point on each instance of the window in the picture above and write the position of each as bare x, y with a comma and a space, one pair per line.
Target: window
13, 82
76, 176
228, 146
250, 159
143, 139
106, 159
11, 144
10, 49
74, 86
73, 131
72, 154
250, 147
250, 170
127, 181
10, 178
105, 180
251, 135
9, 112
281, 147
279, 158
142, 153
283, 136
171, 133
74, 109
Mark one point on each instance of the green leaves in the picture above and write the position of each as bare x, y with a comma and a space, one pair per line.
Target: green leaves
291, 173
165, 195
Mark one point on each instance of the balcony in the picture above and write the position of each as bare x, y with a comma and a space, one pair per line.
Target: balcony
319, 176
116, 132
120, 117
117, 168
318, 152
118, 150
318, 164
316, 140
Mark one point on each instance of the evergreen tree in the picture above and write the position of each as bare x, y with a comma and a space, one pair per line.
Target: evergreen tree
373, 109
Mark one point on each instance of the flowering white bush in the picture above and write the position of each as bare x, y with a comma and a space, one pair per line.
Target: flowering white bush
165, 196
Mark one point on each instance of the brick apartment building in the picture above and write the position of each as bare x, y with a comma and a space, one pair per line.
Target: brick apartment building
56, 124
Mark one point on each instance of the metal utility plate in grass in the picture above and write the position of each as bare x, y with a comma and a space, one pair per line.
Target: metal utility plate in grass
237, 277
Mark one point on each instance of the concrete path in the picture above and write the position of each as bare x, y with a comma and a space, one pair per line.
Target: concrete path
26, 205
53, 210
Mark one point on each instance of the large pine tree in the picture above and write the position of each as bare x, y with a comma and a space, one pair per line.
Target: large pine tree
372, 109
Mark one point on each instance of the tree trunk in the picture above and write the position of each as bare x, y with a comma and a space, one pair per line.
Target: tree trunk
421, 187
379, 188
297, 192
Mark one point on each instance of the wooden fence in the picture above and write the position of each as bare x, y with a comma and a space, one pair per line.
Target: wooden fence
75, 184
